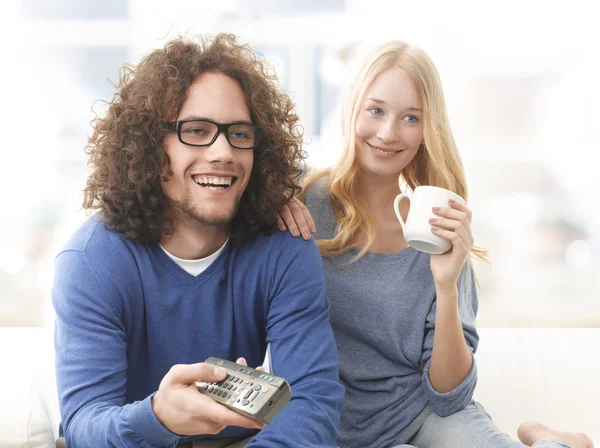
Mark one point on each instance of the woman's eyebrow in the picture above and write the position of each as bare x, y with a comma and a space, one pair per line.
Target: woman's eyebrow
408, 109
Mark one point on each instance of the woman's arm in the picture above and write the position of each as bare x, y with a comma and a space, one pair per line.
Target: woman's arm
451, 359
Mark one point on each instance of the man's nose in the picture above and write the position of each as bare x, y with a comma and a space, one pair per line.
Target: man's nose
220, 150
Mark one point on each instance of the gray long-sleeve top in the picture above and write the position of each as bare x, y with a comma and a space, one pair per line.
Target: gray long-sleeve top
383, 310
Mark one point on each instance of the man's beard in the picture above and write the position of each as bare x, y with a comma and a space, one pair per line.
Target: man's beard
192, 213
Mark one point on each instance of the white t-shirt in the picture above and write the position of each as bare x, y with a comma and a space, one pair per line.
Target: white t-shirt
196, 267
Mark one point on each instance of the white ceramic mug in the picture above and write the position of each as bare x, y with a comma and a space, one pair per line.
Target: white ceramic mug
417, 228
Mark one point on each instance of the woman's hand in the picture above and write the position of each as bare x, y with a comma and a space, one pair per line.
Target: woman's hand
452, 223
296, 217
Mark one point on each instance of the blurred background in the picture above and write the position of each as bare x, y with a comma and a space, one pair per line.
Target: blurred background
521, 83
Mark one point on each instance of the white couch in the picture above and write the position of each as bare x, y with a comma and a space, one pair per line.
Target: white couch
552, 375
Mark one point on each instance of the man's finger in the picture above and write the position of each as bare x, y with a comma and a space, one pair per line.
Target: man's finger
190, 373
242, 361
220, 414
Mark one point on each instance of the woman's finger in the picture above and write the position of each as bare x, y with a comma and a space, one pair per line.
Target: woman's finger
454, 226
307, 216
461, 216
280, 223
289, 220
461, 207
456, 240
297, 211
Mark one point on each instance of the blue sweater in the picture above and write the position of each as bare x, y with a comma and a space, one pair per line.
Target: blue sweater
126, 313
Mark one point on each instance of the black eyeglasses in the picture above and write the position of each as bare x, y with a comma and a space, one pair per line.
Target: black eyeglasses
205, 132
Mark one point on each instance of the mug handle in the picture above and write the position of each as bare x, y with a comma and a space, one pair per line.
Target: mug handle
397, 210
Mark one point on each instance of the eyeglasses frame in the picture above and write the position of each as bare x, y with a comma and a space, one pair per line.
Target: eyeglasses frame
221, 128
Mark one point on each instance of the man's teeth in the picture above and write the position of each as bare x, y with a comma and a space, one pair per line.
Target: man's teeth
224, 181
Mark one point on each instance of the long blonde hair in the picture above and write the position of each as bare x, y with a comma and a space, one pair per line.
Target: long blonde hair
437, 162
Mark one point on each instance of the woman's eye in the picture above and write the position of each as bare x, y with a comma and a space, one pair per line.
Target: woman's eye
411, 119
376, 111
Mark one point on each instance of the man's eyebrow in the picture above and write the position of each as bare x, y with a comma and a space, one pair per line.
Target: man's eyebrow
408, 109
199, 117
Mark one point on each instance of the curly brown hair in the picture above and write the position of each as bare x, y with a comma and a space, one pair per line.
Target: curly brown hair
125, 149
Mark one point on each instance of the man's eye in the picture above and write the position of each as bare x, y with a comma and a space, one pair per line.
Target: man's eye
195, 131
239, 135
376, 111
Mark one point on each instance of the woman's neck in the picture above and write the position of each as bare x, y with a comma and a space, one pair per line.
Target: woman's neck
378, 193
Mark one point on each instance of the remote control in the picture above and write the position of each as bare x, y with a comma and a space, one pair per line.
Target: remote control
250, 392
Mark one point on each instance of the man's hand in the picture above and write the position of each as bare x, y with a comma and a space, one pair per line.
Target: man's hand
184, 411
243, 362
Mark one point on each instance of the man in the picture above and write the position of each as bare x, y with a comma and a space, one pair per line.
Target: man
195, 156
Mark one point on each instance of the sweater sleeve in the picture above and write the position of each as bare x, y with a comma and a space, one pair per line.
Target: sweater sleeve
91, 364
448, 403
303, 352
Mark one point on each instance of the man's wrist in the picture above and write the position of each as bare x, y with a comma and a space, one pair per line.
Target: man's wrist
145, 424
156, 408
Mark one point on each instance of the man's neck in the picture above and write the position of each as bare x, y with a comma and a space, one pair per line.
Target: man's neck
192, 242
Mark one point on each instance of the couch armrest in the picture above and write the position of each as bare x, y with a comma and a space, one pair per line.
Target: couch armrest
29, 413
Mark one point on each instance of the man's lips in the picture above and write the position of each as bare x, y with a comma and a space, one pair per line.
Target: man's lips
217, 179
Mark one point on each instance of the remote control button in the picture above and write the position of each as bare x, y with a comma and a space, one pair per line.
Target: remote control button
271, 379
255, 395
219, 393
229, 386
205, 387
237, 394
266, 389
211, 388
248, 393
245, 402
257, 387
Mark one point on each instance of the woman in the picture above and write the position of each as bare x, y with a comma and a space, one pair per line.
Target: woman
404, 321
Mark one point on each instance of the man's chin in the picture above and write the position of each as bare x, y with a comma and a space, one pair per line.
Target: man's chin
216, 217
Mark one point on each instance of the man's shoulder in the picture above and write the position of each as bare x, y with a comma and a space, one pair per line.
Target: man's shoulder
276, 244
93, 235
101, 248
